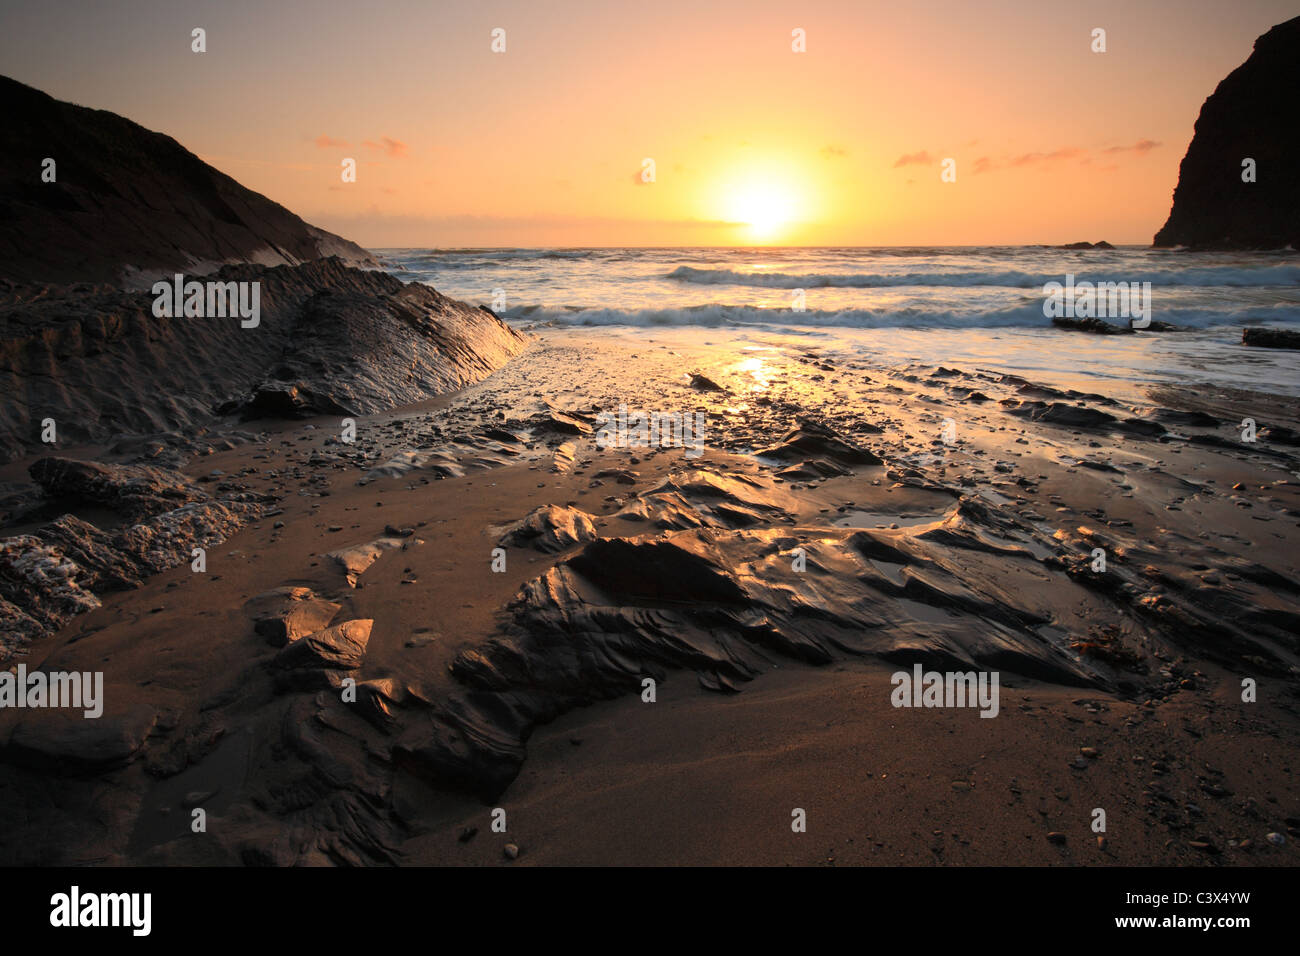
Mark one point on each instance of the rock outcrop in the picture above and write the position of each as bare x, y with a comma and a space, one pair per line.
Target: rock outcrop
1269, 338
1254, 114
128, 204
55, 573
330, 340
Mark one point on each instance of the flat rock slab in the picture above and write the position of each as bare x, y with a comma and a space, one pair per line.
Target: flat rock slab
284, 615
134, 491
65, 741
356, 559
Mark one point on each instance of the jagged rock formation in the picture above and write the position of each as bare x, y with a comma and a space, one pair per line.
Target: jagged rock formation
331, 339
1253, 114
128, 203
50, 576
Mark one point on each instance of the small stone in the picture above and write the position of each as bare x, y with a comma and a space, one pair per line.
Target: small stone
466, 834
961, 786
1056, 837
511, 850
1276, 839
1089, 752
1101, 842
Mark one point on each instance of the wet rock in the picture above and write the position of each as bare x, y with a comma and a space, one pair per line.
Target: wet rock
320, 661
812, 469
562, 457
64, 741
1093, 325
563, 423
134, 491
549, 529
667, 511
275, 399
330, 339
703, 383
724, 604
1271, 338
1061, 413
356, 559
284, 615
814, 440
41, 591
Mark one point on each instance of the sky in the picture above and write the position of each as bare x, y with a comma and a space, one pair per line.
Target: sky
546, 143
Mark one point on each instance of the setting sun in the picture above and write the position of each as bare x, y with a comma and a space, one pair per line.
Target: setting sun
765, 208
765, 205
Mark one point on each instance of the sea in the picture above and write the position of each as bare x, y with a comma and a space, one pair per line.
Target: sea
981, 306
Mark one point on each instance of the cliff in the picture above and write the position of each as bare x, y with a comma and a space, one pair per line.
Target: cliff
127, 200
1253, 114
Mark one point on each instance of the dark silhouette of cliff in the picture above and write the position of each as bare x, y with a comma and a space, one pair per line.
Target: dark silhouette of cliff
1253, 114
128, 199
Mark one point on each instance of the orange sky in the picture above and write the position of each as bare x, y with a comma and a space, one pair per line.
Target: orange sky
544, 144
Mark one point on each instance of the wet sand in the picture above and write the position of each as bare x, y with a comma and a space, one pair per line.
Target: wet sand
969, 546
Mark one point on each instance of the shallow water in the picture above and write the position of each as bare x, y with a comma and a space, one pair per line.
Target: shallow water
978, 306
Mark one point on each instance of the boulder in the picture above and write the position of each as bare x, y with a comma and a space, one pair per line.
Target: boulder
1271, 338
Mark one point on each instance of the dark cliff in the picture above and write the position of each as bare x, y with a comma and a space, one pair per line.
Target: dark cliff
1253, 114
127, 199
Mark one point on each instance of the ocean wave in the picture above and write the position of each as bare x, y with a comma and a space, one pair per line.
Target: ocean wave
1233, 276
723, 315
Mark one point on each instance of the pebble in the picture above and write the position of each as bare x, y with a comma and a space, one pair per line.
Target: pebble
1056, 837
511, 850
1276, 839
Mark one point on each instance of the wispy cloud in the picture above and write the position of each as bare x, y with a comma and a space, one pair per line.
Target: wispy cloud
325, 142
833, 152
392, 147
1140, 147
914, 159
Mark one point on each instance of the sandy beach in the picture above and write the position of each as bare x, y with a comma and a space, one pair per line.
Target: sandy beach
522, 688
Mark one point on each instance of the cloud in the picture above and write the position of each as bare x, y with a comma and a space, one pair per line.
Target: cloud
1063, 152
1141, 147
914, 159
983, 165
833, 152
392, 147
325, 142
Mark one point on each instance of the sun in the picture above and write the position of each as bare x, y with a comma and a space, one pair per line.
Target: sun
764, 206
